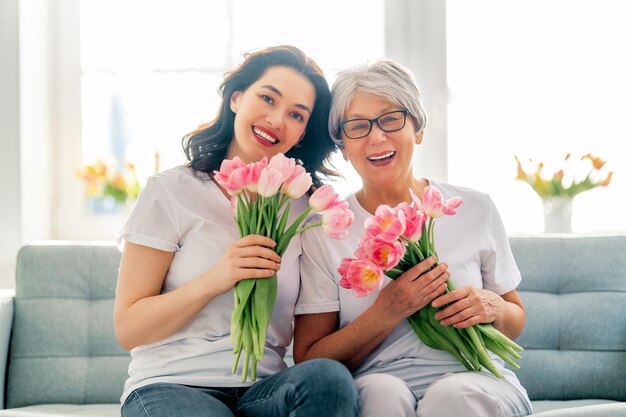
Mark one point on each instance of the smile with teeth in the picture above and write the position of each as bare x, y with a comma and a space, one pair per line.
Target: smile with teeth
381, 157
263, 135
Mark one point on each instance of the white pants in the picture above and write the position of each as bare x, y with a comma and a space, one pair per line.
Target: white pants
467, 394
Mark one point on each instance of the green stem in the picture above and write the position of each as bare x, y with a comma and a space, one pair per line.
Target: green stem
311, 226
431, 233
413, 250
493, 333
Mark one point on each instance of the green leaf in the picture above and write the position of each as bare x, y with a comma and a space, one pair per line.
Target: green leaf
452, 334
284, 239
393, 273
283, 220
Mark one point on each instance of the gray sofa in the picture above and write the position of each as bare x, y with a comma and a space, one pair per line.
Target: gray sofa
61, 356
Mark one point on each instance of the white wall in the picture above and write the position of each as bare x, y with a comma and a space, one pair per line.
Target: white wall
9, 141
36, 114
415, 33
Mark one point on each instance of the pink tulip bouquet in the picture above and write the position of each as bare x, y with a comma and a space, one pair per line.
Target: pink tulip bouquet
260, 200
397, 239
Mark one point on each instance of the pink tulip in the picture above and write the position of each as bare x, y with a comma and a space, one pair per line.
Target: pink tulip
387, 223
383, 254
360, 251
434, 205
270, 181
297, 171
283, 164
323, 198
233, 175
298, 183
336, 220
414, 219
344, 265
361, 276
255, 171
450, 206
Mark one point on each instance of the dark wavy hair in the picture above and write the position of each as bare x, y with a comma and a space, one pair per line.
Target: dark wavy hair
206, 147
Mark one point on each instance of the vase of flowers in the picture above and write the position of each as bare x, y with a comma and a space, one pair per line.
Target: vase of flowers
109, 190
557, 214
558, 191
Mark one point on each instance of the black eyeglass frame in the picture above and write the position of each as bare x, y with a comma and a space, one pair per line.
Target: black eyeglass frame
371, 122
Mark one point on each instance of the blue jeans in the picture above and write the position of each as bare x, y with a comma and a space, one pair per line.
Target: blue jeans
319, 387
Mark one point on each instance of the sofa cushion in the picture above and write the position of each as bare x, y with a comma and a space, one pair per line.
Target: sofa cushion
47, 410
579, 408
63, 347
574, 292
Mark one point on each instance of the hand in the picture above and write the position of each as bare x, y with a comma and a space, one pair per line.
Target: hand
412, 290
249, 257
468, 306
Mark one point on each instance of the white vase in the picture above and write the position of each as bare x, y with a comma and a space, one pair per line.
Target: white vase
557, 214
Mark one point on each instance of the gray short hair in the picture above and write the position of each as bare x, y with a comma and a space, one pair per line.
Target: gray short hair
385, 79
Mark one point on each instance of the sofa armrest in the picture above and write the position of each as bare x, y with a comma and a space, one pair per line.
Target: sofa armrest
6, 323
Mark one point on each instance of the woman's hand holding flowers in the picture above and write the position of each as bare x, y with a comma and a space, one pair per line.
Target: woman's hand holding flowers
396, 243
468, 306
261, 193
249, 257
413, 290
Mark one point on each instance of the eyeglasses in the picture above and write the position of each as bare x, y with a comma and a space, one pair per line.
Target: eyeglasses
388, 122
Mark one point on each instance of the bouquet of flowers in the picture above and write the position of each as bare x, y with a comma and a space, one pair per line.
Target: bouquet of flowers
395, 240
260, 199
564, 182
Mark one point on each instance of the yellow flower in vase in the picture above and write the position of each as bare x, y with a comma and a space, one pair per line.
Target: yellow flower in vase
558, 190
114, 190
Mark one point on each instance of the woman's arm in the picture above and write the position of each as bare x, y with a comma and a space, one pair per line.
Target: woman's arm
143, 315
316, 335
469, 306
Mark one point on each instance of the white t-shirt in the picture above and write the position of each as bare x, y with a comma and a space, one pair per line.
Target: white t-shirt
473, 243
187, 214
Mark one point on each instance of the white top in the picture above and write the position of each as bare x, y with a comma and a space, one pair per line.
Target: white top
186, 213
473, 243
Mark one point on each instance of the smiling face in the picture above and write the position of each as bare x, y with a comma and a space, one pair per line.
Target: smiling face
271, 115
382, 159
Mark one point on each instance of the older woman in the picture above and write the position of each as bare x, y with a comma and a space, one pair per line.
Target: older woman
377, 119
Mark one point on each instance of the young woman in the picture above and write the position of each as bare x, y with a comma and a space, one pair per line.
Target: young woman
377, 119
182, 255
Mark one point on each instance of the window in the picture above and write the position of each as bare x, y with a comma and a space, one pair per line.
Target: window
148, 78
537, 79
